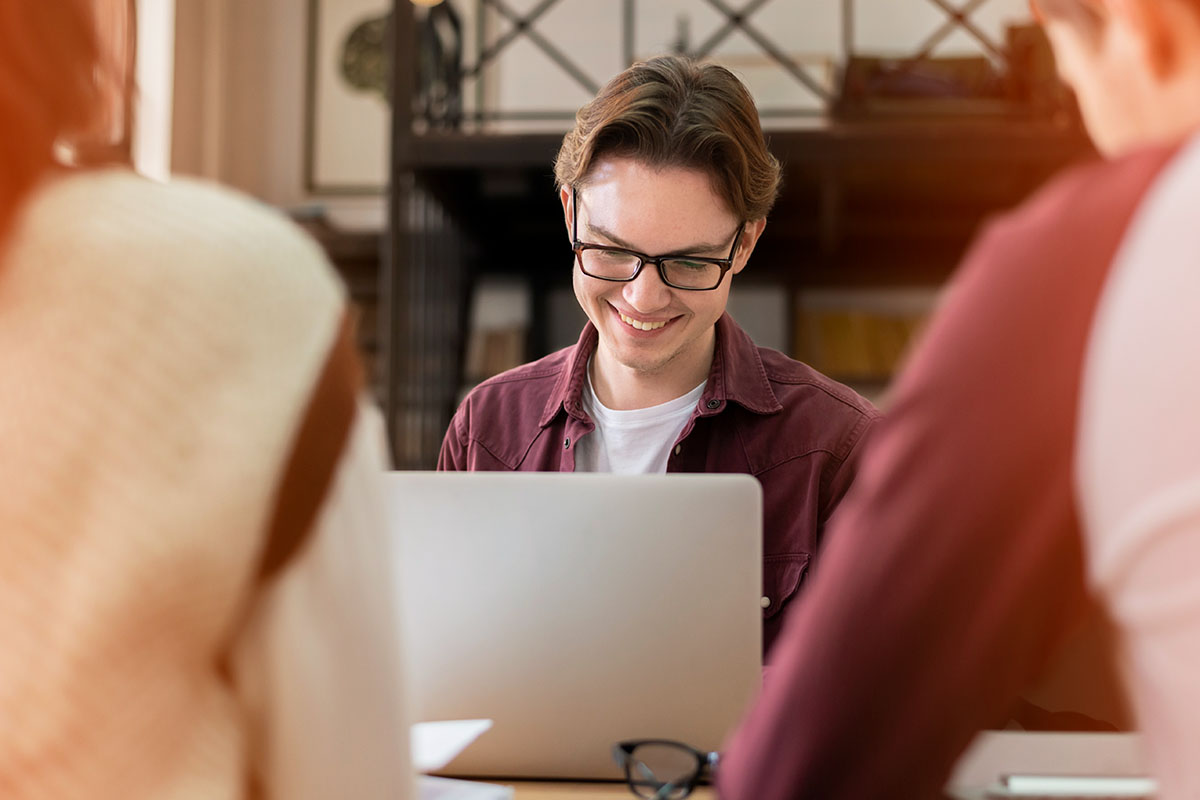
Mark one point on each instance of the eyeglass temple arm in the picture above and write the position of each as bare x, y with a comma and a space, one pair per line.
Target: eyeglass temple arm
664, 791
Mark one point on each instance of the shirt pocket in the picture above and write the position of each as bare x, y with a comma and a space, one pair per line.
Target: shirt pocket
782, 576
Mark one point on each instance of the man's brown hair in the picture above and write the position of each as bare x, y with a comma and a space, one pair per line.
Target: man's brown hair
672, 111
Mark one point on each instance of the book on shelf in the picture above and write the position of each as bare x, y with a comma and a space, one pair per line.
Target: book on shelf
498, 328
859, 334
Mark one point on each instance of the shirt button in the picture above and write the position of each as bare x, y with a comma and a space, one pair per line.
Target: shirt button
765, 602
678, 447
713, 403
567, 443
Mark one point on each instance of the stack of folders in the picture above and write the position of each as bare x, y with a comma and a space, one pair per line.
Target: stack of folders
431, 788
1074, 787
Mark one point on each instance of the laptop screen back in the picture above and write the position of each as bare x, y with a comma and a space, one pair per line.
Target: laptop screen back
579, 610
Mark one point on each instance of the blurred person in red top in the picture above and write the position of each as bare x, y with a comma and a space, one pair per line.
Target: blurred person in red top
1040, 455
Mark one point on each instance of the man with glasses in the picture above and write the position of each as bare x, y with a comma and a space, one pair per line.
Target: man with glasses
665, 183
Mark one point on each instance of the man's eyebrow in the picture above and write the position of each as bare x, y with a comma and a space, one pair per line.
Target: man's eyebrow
696, 249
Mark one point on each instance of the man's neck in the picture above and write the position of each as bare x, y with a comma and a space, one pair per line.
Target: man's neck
1166, 111
1183, 118
623, 388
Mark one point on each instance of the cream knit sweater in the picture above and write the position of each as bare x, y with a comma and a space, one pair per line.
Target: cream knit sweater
158, 346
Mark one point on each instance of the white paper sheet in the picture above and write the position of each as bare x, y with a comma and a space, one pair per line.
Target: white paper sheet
430, 788
435, 744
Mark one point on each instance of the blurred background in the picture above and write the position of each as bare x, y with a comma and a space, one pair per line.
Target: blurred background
415, 141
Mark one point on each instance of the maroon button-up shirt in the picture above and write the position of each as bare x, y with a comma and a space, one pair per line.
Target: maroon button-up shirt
762, 414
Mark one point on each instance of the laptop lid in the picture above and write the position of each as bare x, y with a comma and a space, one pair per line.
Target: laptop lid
578, 610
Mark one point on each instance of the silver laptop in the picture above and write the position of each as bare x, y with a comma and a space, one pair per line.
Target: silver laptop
576, 611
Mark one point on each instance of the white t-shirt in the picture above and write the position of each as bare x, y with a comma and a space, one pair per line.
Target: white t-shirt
634, 442
1138, 467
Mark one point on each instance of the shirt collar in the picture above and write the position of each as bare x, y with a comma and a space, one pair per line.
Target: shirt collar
737, 375
567, 394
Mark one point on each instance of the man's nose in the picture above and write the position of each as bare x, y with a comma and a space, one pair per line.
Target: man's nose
647, 292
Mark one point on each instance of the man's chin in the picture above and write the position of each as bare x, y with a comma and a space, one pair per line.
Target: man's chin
644, 363
646, 357
648, 369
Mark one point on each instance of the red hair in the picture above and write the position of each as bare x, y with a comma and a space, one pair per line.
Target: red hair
57, 85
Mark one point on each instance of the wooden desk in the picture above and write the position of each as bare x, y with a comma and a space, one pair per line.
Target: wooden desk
546, 790
992, 753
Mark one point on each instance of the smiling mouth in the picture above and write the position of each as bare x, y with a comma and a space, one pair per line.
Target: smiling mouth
641, 326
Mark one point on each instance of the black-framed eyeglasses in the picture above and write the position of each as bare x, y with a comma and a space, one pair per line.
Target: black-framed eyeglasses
692, 273
660, 769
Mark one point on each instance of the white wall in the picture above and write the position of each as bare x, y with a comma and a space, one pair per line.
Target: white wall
240, 102
154, 72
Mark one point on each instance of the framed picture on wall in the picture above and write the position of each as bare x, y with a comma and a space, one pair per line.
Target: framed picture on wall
348, 118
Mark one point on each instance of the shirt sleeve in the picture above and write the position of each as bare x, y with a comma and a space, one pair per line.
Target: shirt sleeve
319, 665
453, 455
1139, 475
846, 472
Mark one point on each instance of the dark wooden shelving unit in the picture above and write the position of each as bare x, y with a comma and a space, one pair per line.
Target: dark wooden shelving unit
869, 202
356, 256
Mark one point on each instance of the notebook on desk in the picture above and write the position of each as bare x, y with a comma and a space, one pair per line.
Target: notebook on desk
578, 610
1039, 764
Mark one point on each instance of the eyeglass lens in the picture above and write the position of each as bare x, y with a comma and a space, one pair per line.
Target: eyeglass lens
662, 771
618, 265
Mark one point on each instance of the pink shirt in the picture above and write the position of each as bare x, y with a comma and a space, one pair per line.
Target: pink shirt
1138, 468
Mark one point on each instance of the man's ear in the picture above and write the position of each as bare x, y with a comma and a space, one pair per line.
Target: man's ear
750, 233
564, 194
1151, 22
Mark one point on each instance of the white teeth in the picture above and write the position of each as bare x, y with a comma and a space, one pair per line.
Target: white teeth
641, 326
